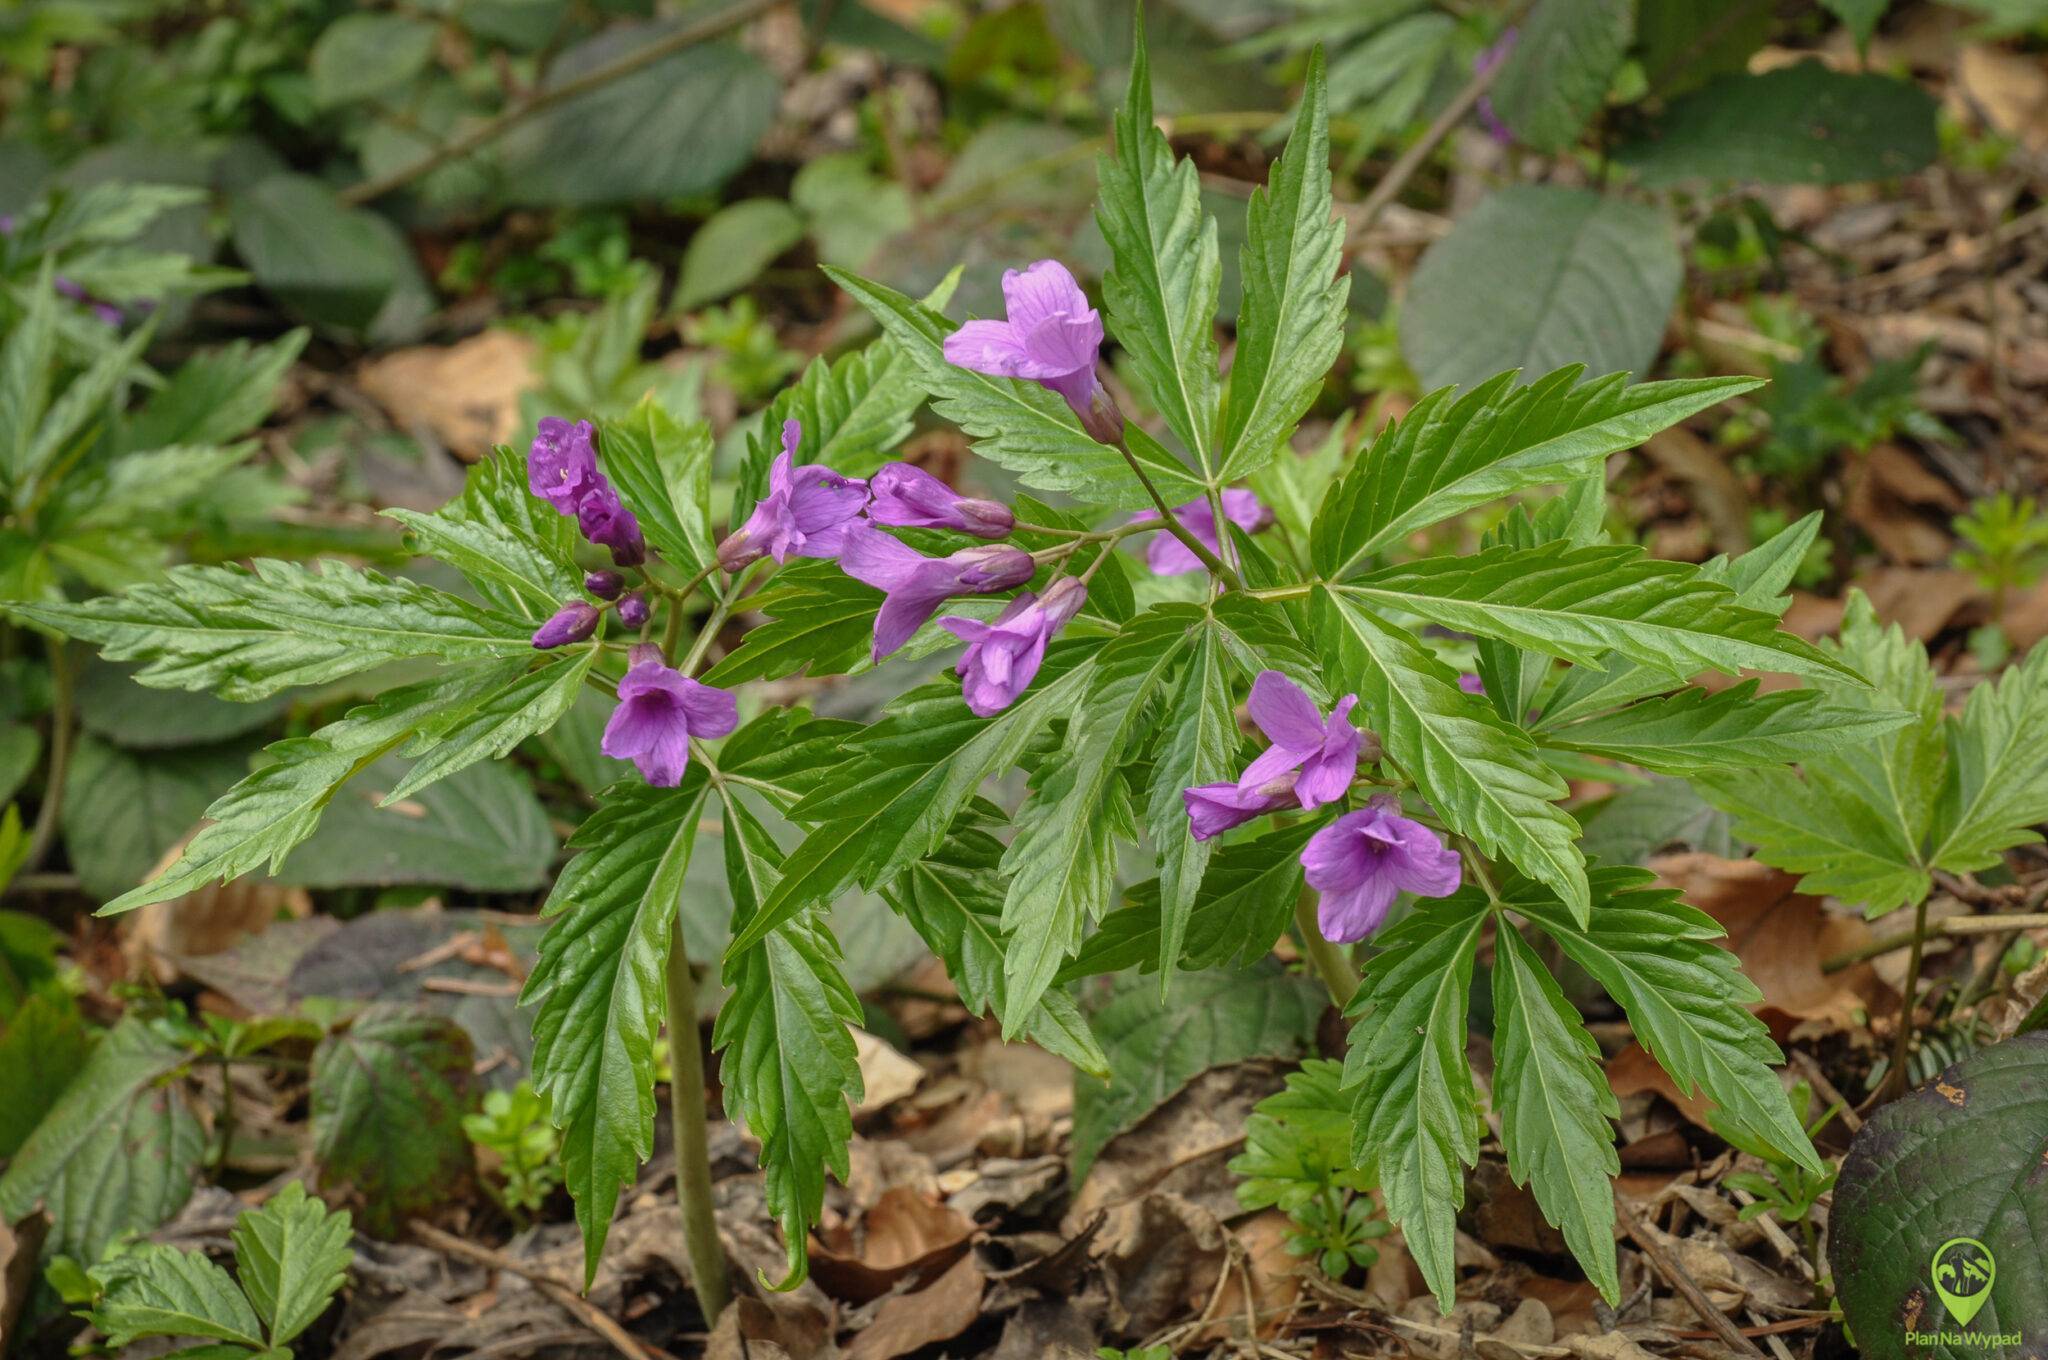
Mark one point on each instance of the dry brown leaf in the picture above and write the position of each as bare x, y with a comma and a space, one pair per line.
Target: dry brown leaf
910, 1322
465, 394
754, 1329
1902, 506
1529, 1325
20, 1244
906, 1236
1274, 1271
1163, 1264
1633, 1071
2008, 89
886, 1075
205, 921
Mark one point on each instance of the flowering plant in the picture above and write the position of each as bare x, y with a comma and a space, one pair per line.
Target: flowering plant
1377, 770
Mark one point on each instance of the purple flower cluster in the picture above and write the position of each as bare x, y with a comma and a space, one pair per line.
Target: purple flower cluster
1359, 862
561, 469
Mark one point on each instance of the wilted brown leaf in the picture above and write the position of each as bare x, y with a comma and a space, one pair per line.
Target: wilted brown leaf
909, 1322
906, 1235
465, 394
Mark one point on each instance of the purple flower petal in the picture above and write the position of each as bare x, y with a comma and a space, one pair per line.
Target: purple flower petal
1363, 860
1052, 337
1215, 808
1166, 555
909, 497
1285, 713
659, 711
561, 464
1003, 658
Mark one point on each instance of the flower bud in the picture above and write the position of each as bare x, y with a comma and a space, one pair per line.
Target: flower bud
606, 585
633, 612
1103, 419
573, 622
991, 569
1062, 600
737, 551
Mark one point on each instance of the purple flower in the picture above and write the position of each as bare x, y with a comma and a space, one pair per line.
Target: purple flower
1215, 808
1168, 556
604, 519
1361, 861
99, 307
911, 498
1487, 59
659, 711
573, 622
606, 585
1052, 337
562, 463
1003, 657
633, 610
806, 512
1472, 684
916, 585
1324, 753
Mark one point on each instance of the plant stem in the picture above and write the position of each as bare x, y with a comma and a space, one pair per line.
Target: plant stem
1336, 970
639, 59
693, 1151
1171, 523
45, 834
1953, 925
1895, 1079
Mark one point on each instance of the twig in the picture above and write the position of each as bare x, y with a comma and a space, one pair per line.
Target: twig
543, 99
582, 1309
1810, 1069
1674, 1275
1951, 925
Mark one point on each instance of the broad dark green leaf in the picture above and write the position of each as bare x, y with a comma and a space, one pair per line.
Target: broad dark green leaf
1558, 73
388, 1096
292, 1254
43, 1044
331, 264
1694, 731
110, 705
123, 810
360, 56
1415, 1115
479, 828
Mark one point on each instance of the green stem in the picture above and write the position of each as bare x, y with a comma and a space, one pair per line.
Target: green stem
1895, 1080
1171, 523
1335, 969
45, 833
693, 1150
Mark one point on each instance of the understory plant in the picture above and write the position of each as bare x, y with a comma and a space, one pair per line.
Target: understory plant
1378, 793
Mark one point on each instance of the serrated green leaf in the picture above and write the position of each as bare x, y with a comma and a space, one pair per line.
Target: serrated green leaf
1695, 731
163, 1291
820, 622
292, 1255
1579, 603
598, 986
388, 1096
1298, 1141
517, 702
216, 396
1226, 1015
1200, 740
25, 377
1554, 1102
510, 544
1997, 787
76, 412
1161, 285
1415, 1115
244, 633
789, 1067
663, 470
1290, 324
1480, 774
1686, 998
1451, 453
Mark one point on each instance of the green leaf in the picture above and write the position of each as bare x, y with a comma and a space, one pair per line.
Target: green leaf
1538, 276
1557, 75
123, 809
513, 704
152, 488
1860, 17
1451, 453
733, 246
1801, 124
1161, 285
1223, 1016
480, 828
1201, 739
1298, 1141
663, 470
162, 1291
1290, 325
25, 363
789, 1065
1973, 1144
388, 1096
1997, 786
1479, 773
217, 396
360, 56
598, 987
954, 899
820, 622
676, 127
1579, 603
242, 632
1686, 999
332, 264
1636, 823
1694, 731
1554, 1102
1015, 424
1683, 43
1415, 1115
510, 544
292, 1255
118, 1153
43, 1044
78, 411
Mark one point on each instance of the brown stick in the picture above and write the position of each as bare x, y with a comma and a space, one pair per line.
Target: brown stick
1674, 1275
1827, 1090
582, 1309
1950, 925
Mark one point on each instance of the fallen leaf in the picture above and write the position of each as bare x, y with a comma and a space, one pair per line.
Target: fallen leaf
465, 394
1274, 1275
1902, 506
1528, 1325
20, 1244
906, 1235
2008, 89
1164, 1264
754, 1329
909, 1322
206, 921
886, 1075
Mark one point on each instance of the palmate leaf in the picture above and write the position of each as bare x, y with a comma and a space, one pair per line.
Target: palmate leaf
292, 1255
1554, 1102
1015, 424
1451, 453
953, 897
1580, 603
1415, 1115
1480, 774
1693, 731
247, 633
1163, 276
1290, 324
1686, 998
820, 622
510, 544
789, 1067
1198, 747
905, 780
598, 987
77, 411
663, 470
1997, 789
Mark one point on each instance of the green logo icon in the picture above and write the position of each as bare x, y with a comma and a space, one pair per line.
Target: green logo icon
1963, 1271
